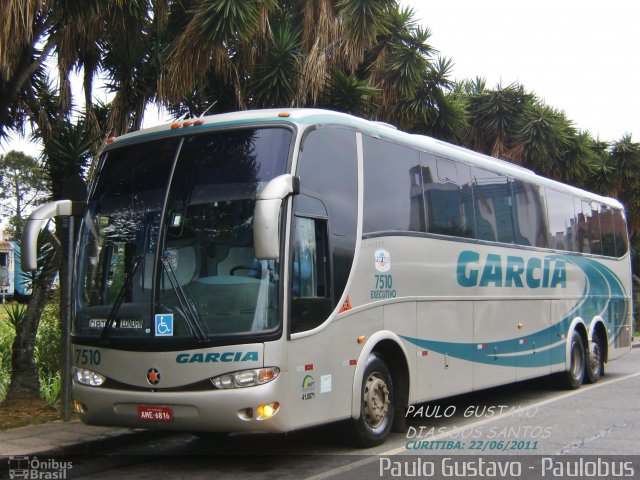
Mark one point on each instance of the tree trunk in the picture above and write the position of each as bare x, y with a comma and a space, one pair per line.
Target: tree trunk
25, 384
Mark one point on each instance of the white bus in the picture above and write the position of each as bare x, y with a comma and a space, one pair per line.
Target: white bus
273, 270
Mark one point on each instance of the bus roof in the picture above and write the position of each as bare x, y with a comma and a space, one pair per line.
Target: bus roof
310, 116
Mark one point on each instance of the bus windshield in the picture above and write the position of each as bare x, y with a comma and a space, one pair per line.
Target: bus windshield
167, 244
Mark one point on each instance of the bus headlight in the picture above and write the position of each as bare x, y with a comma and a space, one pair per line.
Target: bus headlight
246, 378
88, 377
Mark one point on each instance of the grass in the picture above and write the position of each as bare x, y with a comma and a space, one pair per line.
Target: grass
46, 355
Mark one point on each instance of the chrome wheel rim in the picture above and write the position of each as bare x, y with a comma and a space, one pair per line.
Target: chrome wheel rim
576, 361
595, 357
375, 400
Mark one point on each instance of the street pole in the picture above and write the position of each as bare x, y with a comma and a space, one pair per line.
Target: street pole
66, 335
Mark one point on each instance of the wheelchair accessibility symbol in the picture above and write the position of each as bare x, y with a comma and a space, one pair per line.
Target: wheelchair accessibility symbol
164, 325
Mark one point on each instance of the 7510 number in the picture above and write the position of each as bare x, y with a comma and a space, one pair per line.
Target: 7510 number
87, 356
384, 282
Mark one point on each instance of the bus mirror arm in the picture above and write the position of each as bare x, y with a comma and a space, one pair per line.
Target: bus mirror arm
267, 212
37, 220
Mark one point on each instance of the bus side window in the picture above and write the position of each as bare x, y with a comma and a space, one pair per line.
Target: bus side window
607, 231
310, 299
447, 197
589, 240
529, 219
561, 220
493, 206
620, 232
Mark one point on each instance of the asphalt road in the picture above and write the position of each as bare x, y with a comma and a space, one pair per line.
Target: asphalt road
521, 422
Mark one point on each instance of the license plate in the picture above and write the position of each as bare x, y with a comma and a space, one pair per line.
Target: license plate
154, 413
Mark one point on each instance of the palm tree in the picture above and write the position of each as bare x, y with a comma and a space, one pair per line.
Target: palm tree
541, 139
349, 94
67, 149
495, 116
212, 38
581, 155
625, 159
276, 76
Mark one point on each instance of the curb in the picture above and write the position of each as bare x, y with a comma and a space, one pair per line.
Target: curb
64, 439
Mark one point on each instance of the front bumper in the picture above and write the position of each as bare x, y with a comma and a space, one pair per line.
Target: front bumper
215, 410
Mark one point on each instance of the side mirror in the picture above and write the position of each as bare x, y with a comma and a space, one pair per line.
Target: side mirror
37, 219
266, 215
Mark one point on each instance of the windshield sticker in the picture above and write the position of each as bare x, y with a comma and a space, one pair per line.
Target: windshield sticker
164, 325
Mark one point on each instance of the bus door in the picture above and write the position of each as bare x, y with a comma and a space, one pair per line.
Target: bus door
321, 255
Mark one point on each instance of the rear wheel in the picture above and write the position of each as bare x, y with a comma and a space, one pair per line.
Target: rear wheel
595, 359
575, 375
377, 405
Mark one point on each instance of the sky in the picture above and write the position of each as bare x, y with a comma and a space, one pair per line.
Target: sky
579, 56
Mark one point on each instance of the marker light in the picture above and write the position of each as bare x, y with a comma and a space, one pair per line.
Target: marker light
78, 407
267, 411
284, 114
175, 125
88, 377
246, 378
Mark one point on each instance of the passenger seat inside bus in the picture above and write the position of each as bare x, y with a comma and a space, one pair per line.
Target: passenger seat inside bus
236, 257
183, 261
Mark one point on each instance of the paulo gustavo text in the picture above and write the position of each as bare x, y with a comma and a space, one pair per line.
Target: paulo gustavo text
492, 467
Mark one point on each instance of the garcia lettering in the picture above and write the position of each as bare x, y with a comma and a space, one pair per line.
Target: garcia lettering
510, 272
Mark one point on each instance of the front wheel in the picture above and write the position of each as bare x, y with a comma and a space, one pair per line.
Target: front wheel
595, 360
575, 375
377, 406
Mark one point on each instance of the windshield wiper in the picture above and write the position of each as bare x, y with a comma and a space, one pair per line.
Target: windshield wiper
190, 315
118, 301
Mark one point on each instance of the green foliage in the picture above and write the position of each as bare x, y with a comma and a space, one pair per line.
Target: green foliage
349, 94
15, 314
47, 353
21, 179
50, 388
277, 76
7, 334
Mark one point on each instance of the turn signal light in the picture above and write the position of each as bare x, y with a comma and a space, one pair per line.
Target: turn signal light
267, 411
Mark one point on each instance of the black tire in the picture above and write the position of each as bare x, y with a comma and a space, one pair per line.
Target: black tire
577, 362
595, 360
377, 406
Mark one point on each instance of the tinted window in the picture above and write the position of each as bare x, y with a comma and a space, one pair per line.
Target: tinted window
529, 221
393, 190
311, 301
620, 233
447, 197
607, 230
589, 239
493, 206
329, 188
561, 219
